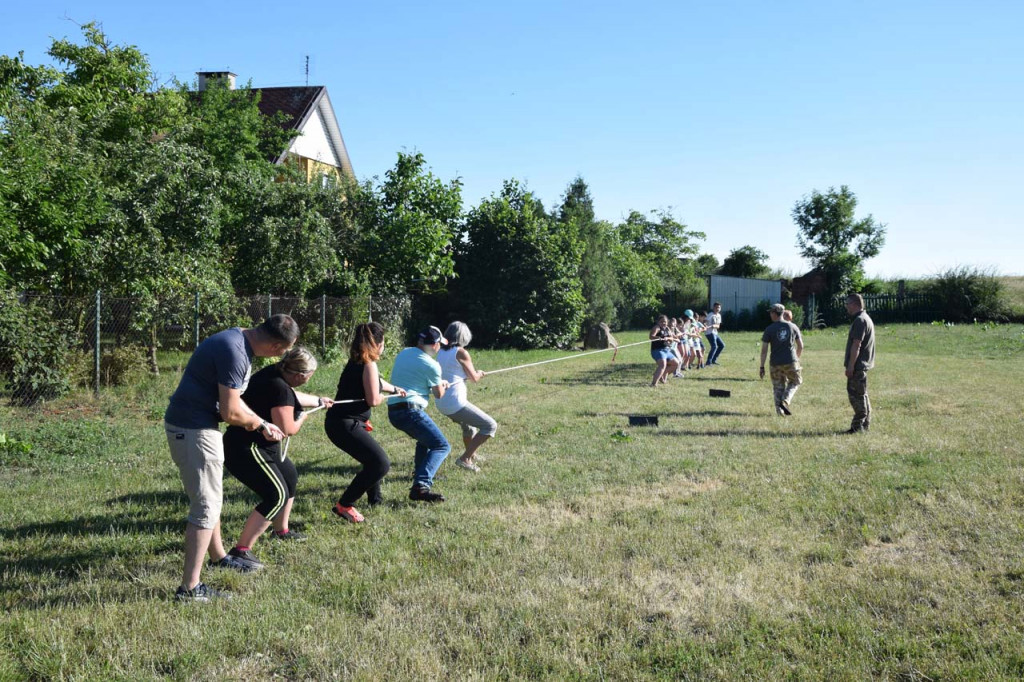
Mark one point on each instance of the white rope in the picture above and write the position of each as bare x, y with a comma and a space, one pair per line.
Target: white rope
568, 357
288, 439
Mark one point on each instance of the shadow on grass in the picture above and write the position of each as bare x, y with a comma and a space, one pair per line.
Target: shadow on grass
627, 375
111, 525
744, 432
695, 413
707, 377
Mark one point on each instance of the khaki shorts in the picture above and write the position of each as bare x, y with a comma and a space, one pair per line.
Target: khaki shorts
199, 454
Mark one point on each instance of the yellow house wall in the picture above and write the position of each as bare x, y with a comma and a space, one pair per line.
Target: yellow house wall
312, 168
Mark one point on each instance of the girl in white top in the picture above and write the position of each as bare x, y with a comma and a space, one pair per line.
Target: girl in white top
456, 368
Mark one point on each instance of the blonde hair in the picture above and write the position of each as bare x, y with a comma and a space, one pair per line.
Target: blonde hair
298, 361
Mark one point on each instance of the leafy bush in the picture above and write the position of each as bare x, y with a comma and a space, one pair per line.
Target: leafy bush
798, 314
12, 447
34, 347
123, 365
752, 320
964, 294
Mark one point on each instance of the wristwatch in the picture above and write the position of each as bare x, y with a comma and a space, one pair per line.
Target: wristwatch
262, 427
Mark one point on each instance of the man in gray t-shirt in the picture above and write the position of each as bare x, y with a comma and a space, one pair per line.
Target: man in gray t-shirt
859, 358
786, 344
210, 391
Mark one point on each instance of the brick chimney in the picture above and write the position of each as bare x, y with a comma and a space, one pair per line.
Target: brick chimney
207, 76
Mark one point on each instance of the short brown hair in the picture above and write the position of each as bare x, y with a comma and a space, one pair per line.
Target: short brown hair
856, 298
280, 328
366, 343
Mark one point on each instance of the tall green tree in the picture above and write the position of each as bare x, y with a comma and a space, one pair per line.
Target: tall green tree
286, 237
229, 126
745, 261
662, 249
705, 264
833, 239
519, 273
598, 278
52, 199
406, 227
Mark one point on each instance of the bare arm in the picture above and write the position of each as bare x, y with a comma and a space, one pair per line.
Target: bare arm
310, 400
283, 417
799, 346
764, 354
440, 389
467, 365
234, 411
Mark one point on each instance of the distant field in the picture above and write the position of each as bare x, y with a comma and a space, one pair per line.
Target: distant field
1014, 290
725, 543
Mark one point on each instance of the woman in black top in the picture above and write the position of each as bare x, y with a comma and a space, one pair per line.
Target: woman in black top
261, 465
348, 423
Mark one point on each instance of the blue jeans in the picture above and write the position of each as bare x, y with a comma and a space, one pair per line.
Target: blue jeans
717, 346
431, 446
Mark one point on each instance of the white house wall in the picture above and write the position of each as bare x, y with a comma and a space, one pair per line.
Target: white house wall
313, 142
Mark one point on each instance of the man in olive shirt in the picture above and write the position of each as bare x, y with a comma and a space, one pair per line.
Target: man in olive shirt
860, 357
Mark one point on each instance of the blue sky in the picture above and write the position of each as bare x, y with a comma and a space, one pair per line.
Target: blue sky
726, 112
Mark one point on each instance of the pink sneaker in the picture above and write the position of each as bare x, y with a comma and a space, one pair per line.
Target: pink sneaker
348, 513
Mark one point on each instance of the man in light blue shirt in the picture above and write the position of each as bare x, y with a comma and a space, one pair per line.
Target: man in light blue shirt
417, 371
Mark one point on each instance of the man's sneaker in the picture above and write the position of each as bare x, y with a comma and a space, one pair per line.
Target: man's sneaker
784, 406
350, 514
288, 535
200, 593
420, 493
778, 411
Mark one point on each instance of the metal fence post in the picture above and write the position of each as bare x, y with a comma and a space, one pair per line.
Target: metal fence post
323, 324
196, 345
96, 350
270, 306
369, 307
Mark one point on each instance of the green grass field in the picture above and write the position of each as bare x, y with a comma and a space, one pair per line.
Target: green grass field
725, 543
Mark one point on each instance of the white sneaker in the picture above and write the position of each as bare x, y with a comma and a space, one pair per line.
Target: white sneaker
468, 466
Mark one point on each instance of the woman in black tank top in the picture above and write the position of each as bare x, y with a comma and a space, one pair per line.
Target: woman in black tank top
348, 423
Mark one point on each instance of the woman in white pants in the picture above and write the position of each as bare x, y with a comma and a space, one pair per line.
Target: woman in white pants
457, 368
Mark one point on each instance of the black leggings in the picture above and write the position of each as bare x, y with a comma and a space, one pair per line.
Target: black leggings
351, 436
274, 482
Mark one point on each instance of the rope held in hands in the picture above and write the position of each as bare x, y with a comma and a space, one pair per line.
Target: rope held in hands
493, 371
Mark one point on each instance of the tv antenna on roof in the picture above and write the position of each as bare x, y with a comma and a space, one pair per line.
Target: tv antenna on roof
307, 70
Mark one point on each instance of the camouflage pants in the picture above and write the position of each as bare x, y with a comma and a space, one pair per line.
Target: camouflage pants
857, 390
785, 380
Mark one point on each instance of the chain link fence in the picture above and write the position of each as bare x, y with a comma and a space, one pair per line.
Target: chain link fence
50, 344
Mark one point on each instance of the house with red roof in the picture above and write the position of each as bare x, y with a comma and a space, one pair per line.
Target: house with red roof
319, 149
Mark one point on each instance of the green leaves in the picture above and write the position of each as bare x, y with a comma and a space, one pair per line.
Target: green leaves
407, 227
519, 273
834, 240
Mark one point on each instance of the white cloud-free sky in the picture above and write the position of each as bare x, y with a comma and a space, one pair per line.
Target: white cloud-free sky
727, 112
